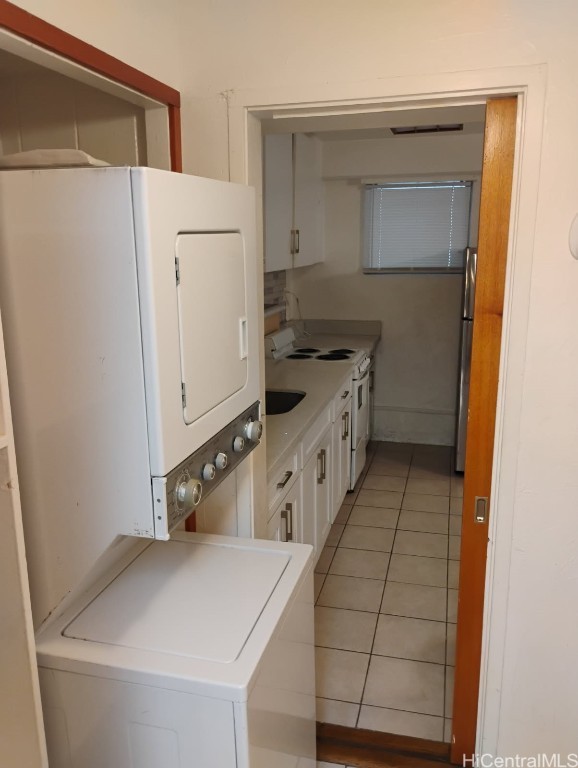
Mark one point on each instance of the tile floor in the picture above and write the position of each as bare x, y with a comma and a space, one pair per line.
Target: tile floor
386, 596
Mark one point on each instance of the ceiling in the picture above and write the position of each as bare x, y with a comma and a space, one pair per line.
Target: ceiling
347, 126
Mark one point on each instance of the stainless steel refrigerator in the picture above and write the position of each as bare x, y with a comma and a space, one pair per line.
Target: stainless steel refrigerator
468, 299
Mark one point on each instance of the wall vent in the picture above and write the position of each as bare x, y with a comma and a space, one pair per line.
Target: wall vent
406, 130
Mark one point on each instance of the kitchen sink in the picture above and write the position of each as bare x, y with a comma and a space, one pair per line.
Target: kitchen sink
281, 401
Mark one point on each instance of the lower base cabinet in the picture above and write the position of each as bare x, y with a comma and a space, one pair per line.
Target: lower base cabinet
317, 495
341, 457
285, 523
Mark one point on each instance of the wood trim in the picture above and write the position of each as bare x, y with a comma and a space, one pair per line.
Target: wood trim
373, 749
496, 191
46, 35
51, 38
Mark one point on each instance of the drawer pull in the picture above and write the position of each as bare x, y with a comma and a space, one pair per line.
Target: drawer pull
344, 395
289, 516
286, 477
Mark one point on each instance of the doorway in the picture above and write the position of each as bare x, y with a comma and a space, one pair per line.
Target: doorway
245, 163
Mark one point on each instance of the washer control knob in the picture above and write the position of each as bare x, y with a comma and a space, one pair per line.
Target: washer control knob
239, 444
208, 472
221, 460
253, 431
189, 493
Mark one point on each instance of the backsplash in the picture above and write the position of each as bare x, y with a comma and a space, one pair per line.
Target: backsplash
275, 284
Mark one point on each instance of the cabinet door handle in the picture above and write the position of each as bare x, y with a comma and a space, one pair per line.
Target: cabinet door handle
344, 427
289, 518
286, 477
292, 243
323, 464
297, 241
283, 533
346, 424
319, 468
371, 380
344, 395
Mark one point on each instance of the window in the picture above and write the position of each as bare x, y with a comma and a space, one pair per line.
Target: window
415, 226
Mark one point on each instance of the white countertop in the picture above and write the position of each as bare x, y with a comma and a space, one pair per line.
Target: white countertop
320, 380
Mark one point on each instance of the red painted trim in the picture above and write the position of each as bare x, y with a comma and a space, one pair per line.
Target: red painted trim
175, 138
52, 38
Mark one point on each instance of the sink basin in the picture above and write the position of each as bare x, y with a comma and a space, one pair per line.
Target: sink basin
281, 401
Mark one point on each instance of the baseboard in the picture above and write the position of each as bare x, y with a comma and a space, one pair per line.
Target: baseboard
373, 749
413, 425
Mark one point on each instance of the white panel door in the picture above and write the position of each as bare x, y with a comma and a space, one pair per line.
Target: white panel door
308, 215
211, 265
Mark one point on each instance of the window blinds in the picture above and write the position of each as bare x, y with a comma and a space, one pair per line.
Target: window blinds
416, 226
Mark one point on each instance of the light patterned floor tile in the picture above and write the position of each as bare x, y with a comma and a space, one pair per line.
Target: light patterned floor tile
344, 629
340, 674
457, 485
414, 600
423, 502
452, 605
406, 638
374, 517
453, 574
337, 712
451, 645
409, 569
388, 499
456, 505
439, 486
386, 466
449, 691
455, 544
426, 522
384, 483
421, 544
325, 559
414, 686
364, 537
353, 593
334, 535
360, 562
318, 579
342, 516
402, 723
448, 731
455, 525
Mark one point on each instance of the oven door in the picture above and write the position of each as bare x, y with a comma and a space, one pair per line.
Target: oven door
359, 426
197, 278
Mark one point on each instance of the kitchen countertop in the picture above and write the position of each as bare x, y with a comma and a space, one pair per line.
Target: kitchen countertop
368, 342
320, 381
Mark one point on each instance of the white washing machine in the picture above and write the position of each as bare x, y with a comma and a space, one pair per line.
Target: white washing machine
196, 652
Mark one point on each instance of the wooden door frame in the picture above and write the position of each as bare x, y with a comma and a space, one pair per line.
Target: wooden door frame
479, 692
46, 36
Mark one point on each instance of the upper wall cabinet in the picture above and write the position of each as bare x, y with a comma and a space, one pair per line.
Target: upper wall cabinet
293, 201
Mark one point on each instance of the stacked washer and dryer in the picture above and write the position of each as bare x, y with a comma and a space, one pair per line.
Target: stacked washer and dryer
129, 303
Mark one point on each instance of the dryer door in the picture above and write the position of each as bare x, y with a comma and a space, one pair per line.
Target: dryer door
213, 339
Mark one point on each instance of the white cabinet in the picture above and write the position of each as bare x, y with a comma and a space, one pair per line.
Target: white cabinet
293, 201
341, 455
308, 220
317, 493
278, 201
286, 522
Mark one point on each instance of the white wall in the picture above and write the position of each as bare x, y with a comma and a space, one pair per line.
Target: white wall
279, 45
45, 110
417, 359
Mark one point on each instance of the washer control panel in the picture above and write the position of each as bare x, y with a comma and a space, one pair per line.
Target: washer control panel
181, 491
